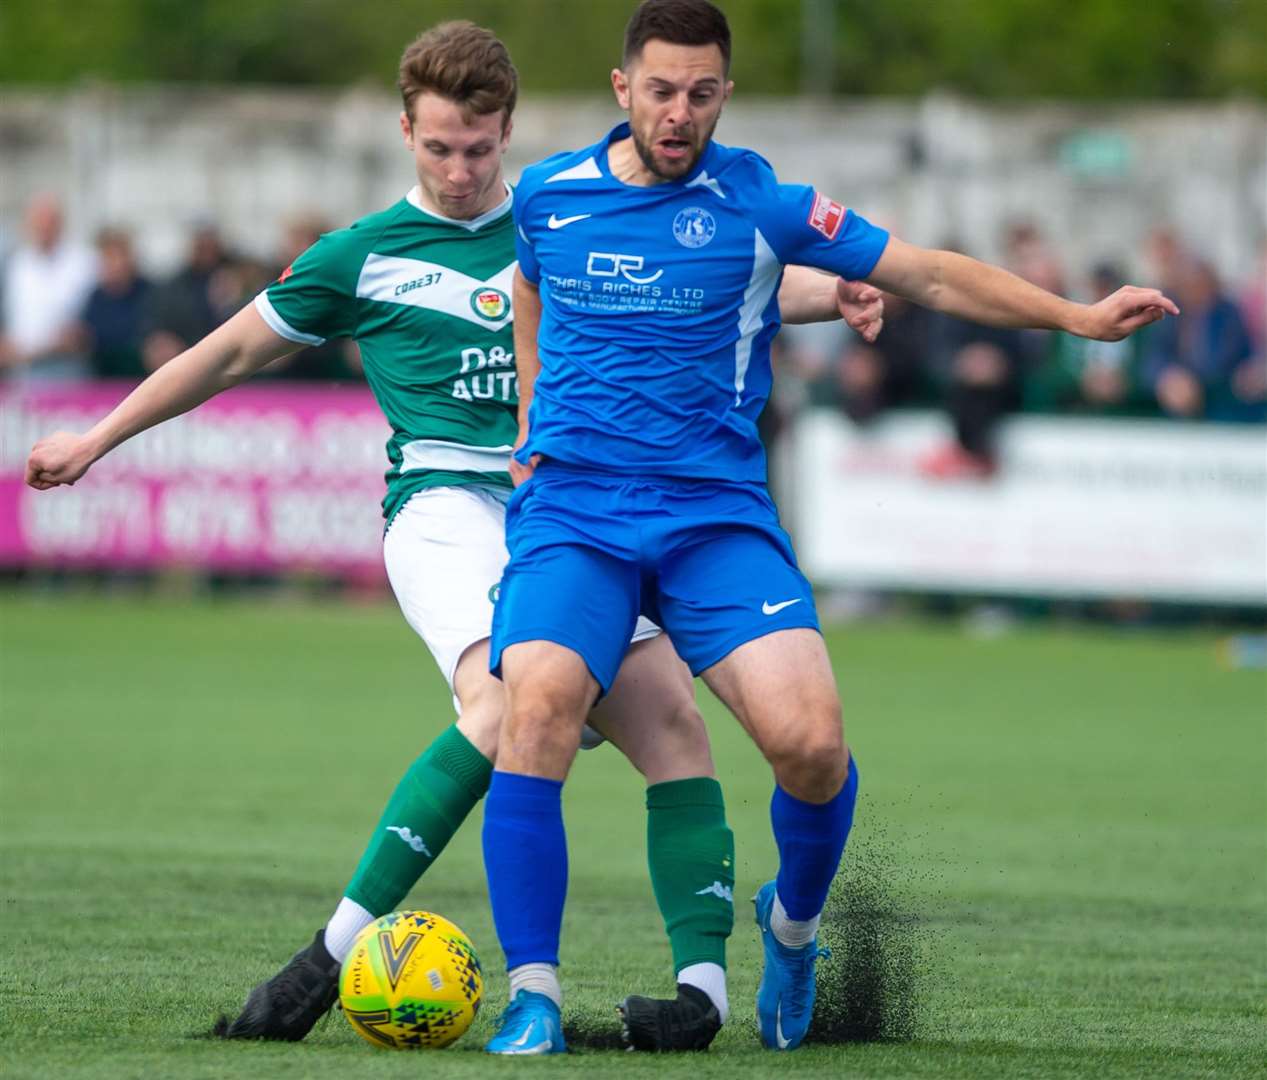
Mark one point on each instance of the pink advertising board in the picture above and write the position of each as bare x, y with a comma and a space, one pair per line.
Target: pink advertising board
266, 476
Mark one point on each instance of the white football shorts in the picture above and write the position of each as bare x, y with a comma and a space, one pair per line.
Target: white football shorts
444, 552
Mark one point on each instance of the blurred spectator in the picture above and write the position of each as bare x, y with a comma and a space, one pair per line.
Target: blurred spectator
1253, 304
865, 380
1249, 381
1190, 362
1249, 391
1027, 254
44, 285
114, 317
978, 371
981, 368
185, 308
1167, 261
1091, 377
334, 361
298, 235
237, 282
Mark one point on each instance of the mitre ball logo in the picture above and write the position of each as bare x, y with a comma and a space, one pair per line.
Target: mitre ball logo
489, 303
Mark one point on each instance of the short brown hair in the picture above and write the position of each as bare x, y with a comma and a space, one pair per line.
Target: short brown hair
464, 63
112, 236
679, 22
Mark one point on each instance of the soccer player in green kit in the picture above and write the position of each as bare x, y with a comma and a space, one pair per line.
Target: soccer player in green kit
424, 288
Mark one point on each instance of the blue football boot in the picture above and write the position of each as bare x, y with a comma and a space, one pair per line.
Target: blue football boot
785, 998
530, 1025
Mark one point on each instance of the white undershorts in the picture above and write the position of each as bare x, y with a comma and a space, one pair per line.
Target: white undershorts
445, 551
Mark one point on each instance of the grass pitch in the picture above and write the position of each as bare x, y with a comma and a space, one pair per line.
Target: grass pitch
1059, 866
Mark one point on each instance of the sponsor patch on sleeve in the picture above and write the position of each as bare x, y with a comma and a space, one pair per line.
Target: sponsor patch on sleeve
826, 215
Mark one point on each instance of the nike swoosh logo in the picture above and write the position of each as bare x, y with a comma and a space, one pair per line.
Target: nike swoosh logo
773, 609
778, 1029
559, 222
540, 1048
521, 1047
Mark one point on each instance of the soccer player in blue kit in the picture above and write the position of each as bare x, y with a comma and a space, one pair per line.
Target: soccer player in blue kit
645, 303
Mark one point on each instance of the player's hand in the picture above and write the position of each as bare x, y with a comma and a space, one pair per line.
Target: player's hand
519, 473
61, 458
861, 306
1124, 312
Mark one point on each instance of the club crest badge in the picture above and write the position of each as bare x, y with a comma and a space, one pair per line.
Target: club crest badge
694, 227
491, 304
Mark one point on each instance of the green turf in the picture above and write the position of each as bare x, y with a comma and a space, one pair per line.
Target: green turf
1077, 818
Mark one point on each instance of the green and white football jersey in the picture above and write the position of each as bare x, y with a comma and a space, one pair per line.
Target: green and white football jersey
427, 299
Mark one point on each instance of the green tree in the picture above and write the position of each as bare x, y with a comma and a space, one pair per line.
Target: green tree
993, 48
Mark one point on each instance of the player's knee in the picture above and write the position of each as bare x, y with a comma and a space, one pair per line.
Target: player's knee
684, 728
542, 728
676, 745
811, 763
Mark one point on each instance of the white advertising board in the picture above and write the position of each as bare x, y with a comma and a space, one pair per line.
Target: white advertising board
1078, 508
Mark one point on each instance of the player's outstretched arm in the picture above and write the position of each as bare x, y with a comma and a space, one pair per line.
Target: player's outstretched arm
807, 295
225, 357
527, 308
958, 285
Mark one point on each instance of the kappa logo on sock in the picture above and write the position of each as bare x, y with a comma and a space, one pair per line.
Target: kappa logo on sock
717, 889
412, 840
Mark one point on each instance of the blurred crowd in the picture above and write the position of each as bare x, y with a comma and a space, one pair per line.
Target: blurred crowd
1208, 364
73, 310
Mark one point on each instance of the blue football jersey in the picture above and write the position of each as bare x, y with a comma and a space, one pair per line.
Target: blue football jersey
659, 305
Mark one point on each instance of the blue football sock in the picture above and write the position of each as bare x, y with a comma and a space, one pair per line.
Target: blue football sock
811, 838
525, 855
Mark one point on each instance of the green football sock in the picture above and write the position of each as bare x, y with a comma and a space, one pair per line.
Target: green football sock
691, 851
429, 804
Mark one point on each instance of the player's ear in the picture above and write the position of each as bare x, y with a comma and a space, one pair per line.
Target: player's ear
727, 90
406, 129
620, 85
507, 128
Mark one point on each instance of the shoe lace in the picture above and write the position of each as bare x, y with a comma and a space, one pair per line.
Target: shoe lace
801, 961
513, 1012
306, 985
685, 1018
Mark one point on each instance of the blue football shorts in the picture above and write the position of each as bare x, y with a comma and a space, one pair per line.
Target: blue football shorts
591, 551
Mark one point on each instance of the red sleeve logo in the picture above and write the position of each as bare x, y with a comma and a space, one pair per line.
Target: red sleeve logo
826, 216
286, 273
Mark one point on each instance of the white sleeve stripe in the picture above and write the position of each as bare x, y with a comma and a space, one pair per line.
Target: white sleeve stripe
586, 170
280, 326
766, 269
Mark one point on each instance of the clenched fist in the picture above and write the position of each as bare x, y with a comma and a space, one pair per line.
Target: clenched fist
61, 458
